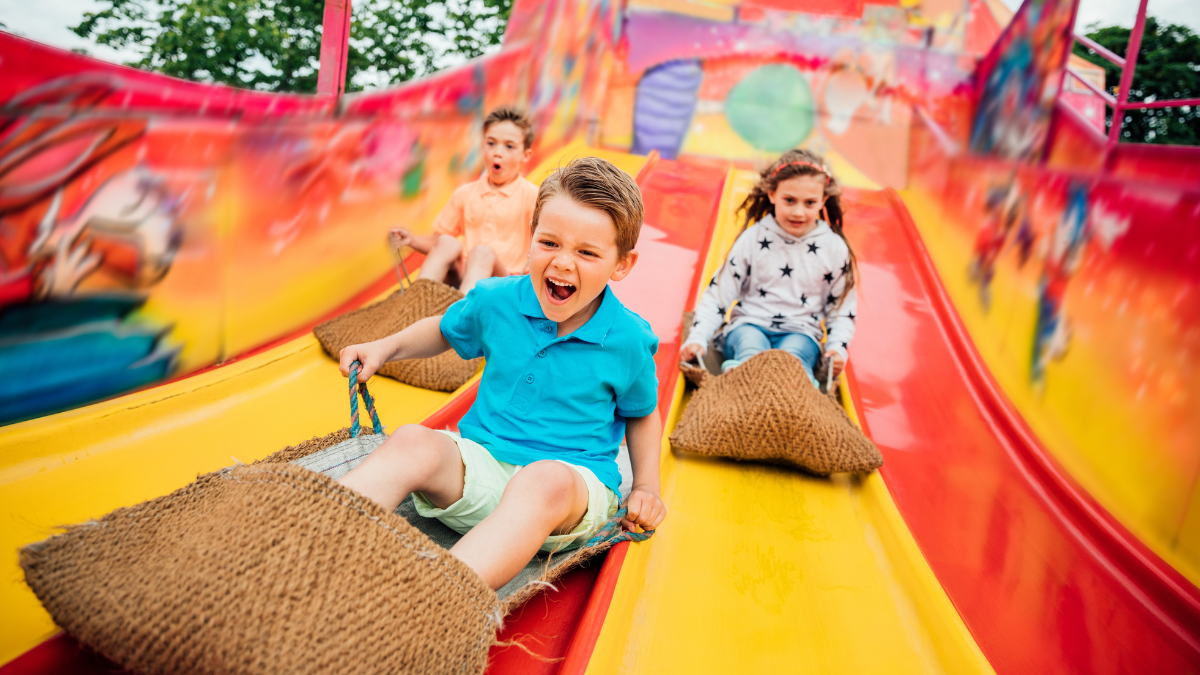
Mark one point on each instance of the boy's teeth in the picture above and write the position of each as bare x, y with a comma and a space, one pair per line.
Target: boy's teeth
560, 290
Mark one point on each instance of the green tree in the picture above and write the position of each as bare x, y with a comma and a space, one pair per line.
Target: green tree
1168, 67
275, 45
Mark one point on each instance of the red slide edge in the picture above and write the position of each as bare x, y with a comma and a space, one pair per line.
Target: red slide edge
1165, 593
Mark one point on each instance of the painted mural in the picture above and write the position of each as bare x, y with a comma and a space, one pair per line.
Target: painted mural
746, 81
1019, 81
1082, 296
151, 227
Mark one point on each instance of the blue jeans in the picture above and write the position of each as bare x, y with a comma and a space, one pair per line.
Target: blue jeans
746, 340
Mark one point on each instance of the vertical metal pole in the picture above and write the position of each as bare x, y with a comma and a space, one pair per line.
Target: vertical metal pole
1131, 57
335, 45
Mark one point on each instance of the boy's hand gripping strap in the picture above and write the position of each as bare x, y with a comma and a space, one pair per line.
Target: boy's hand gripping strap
366, 397
613, 533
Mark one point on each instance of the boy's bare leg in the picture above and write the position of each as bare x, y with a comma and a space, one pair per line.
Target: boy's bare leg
413, 459
439, 259
544, 498
481, 264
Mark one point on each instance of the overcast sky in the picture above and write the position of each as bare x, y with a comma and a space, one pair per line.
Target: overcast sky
1123, 12
48, 21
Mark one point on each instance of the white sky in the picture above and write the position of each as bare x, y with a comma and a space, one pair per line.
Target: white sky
1123, 12
48, 21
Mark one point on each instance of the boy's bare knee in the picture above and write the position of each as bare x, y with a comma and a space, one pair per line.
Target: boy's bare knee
482, 255
413, 443
447, 246
549, 482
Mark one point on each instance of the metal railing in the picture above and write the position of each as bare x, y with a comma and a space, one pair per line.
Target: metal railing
1120, 103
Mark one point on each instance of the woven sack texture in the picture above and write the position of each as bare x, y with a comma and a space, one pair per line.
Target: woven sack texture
334, 457
265, 568
766, 410
398, 311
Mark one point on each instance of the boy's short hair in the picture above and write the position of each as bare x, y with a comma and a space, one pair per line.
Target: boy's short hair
508, 113
595, 182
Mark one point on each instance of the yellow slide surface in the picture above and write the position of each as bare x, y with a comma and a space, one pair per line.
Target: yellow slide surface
761, 569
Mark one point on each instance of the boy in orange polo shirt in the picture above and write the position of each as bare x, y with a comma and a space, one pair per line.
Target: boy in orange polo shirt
491, 214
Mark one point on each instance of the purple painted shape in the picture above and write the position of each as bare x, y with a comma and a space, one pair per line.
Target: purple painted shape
666, 98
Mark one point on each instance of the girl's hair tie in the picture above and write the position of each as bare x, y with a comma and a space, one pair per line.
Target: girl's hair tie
818, 167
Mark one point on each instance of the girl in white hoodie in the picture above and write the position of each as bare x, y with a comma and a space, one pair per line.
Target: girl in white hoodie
789, 271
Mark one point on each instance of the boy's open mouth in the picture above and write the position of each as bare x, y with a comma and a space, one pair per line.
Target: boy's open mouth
559, 291
496, 167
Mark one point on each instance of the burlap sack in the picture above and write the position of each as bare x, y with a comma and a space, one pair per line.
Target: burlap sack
398, 311
276, 568
329, 455
266, 568
767, 410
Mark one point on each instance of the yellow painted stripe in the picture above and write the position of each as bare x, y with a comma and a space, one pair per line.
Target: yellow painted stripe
764, 569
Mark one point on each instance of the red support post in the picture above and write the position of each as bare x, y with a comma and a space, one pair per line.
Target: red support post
335, 45
1131, 57
1099, 49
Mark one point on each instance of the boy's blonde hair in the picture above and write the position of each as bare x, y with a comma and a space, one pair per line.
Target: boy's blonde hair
508, 113
595, 182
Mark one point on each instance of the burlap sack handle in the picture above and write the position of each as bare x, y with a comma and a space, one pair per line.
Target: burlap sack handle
697, 375
399, 259
613, 533
366, 397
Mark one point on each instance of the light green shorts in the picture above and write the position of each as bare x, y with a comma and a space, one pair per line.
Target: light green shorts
484, 482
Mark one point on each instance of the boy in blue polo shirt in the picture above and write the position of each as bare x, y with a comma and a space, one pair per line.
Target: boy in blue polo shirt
570, 371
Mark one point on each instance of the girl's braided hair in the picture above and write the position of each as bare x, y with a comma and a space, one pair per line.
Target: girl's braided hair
790, 164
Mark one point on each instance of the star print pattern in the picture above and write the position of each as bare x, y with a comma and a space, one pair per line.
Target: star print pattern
771, 286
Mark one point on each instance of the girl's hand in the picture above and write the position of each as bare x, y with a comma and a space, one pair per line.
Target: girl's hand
645, 509
370, 354
692, 352
837, 362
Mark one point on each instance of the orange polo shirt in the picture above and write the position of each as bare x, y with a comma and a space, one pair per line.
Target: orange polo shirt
496, 216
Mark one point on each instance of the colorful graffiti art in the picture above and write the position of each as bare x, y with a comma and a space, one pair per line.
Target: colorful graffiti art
1020, 81
143, 243
81, 247
731, 85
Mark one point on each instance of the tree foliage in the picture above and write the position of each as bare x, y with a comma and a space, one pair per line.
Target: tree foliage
275, 45
1168, 67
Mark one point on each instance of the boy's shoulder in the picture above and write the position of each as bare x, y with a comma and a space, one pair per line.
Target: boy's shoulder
470, 188
629, 329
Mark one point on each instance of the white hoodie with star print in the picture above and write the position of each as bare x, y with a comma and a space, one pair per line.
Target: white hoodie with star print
781, 283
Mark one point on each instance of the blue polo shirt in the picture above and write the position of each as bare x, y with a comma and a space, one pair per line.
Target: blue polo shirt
548, 397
